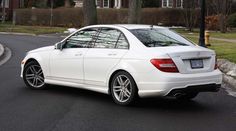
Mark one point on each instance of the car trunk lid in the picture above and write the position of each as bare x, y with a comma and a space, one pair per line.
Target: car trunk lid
191, 59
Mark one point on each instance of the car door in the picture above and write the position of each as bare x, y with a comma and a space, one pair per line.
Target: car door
67, 64
109, 47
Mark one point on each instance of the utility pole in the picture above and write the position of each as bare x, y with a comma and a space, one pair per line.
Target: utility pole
3, 11
202, 25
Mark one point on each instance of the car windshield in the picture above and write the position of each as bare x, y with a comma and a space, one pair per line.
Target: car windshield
153, 37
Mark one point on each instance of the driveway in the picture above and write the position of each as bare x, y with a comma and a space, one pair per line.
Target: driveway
60, 108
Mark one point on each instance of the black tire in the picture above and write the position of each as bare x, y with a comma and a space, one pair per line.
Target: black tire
33, 76
188, 96
130, 92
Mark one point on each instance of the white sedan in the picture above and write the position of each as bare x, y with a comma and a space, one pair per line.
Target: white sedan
126, 62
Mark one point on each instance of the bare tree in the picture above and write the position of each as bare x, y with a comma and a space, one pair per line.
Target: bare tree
135, 7
222, 9
90, 12
3, 11
190, 14
67, 3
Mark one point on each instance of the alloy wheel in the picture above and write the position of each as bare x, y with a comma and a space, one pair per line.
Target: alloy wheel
122, 88
34, 76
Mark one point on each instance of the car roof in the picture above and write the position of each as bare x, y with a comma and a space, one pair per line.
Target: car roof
138, 26
127, 26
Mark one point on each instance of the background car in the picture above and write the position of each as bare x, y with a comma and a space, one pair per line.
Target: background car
125, 61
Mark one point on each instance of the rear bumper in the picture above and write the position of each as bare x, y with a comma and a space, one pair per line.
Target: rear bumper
156, 84
196, 88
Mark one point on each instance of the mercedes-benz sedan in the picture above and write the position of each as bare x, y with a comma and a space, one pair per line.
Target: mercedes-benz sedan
126, 62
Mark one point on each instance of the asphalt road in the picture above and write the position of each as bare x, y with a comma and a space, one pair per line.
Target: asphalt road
70, 109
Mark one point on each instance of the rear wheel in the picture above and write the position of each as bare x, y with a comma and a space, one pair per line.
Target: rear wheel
187, 96
123, 88
33, 76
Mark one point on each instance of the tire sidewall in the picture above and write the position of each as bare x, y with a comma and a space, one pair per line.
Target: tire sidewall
24, 75
133, 96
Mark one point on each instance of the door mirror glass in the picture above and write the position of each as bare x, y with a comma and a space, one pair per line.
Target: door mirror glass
58, 46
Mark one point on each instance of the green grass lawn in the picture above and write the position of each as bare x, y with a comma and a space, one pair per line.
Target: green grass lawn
223, 49
215, 34
31, 29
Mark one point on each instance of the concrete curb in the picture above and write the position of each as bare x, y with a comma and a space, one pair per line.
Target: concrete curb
1, 51
14, 33
62, 35
229, 72
5, 54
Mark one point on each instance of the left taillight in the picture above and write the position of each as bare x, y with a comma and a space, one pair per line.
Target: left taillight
165, 65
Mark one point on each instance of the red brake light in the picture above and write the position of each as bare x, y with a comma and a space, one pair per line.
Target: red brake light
165, 65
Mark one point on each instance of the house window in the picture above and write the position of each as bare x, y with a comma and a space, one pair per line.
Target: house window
98, 3
167, 3
164, 3
105, 3
170, 3
179, 3
6, 4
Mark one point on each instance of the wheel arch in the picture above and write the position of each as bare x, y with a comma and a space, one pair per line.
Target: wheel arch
30, 60
112, 75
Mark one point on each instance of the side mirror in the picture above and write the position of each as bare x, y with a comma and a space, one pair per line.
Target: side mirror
58, 46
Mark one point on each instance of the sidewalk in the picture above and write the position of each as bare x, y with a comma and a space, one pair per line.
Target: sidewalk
222, 39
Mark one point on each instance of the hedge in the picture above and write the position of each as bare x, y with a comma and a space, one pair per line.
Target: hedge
231, 22
73, 17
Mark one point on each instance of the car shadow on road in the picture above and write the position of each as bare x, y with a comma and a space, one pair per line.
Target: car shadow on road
157, 103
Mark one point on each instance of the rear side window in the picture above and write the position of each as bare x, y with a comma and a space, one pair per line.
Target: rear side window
122, 42
107, 38
111, 38
153, 37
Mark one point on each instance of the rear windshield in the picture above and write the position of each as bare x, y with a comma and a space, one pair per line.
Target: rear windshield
153, 37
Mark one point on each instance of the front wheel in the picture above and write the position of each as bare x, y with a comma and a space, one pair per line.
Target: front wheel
123, 88
33, 76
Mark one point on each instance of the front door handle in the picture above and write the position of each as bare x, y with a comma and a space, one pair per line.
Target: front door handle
78, 54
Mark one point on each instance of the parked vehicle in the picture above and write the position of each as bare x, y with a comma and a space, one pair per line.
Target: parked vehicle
126, 62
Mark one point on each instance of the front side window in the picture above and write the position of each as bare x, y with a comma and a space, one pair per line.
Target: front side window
153, 37
107, 38
81, 39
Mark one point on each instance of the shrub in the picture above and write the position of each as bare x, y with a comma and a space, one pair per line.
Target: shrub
212, 22
73, 17
231, 22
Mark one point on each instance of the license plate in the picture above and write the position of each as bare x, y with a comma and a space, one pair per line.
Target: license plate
196, 63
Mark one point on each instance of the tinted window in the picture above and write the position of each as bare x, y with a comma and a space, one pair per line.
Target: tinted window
159, 37
107, 38
122, 42
81, 39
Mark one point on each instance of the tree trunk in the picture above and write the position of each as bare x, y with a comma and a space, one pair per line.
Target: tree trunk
67, 4
135, 7
3, 11
222, 23
90, 12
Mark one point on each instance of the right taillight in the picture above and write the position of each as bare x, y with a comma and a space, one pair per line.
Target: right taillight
165, 65
216, 66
